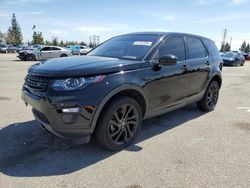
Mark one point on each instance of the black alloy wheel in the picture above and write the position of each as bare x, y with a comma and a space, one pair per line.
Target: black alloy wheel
212, 95
119, 123
30, 57
123, 124
210, 99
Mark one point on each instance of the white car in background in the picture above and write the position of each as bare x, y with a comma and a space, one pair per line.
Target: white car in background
79, 50
45, 52
84, 50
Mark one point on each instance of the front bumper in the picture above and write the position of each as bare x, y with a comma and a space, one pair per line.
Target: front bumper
48, 111
22, 56
228, 63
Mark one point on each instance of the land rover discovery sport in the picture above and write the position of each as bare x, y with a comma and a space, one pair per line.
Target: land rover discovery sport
128, 78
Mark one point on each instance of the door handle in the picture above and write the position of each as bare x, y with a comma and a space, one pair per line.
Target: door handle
185, 67
207, 63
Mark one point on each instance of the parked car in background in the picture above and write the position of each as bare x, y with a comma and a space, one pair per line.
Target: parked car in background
19, 47
8, 49
248, 57
84, 50
11, 49
46, 52
79, 50
233, 59
131, 77
3, 49
25, 50
244, 54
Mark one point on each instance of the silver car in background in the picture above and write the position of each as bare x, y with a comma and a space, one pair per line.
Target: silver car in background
45, 52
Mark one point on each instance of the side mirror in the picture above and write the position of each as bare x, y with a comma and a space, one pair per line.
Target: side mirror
167, 59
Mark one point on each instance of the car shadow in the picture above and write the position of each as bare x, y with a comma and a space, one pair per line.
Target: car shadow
26, 150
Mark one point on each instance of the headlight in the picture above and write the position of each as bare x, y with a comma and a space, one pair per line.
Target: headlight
75, 83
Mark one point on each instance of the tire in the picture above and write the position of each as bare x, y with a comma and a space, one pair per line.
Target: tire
30, 57
210, 98
118, 124
64, 55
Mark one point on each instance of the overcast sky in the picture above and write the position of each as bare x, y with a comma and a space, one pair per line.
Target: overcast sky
78, 19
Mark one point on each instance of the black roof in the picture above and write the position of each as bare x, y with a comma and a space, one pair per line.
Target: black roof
166, 34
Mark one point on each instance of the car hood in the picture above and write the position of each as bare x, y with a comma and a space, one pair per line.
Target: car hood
82, 66
27, 51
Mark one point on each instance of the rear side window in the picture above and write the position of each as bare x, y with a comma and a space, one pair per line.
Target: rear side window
46, 49
195, 48
55, 48
213, 50
174, 46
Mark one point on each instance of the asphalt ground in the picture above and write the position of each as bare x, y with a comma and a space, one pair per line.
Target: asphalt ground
184, 148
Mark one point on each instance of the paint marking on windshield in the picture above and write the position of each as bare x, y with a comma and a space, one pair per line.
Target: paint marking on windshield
142, 43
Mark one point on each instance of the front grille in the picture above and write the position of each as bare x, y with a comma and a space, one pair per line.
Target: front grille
37, 83
40, 116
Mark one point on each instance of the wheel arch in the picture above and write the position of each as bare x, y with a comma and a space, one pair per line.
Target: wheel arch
217, 77
64, 55
31, 55
132, 91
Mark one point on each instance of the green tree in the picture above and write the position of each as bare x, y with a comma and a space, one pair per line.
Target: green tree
83, 43
14, 35
54, 41
243, 46
247, 48
37, 38
1, 35
61, 43
227, 47
47, 43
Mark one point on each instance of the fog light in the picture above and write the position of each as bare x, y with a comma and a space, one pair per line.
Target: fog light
71, 110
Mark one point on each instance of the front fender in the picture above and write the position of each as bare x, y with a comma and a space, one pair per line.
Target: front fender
113, 93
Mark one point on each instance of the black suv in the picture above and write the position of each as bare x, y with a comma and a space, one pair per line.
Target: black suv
128, 78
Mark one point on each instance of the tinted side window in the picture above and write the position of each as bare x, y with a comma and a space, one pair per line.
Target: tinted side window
54, 48
174, 46
195, 48
45, 49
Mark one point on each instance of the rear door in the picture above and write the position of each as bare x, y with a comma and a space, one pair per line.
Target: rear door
56, 52
198, 63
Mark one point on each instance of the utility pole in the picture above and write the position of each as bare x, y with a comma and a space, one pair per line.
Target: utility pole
224, 36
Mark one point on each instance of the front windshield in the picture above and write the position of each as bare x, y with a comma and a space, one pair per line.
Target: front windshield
133, 47
228, 54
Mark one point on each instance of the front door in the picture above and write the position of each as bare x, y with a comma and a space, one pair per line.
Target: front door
170, 84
